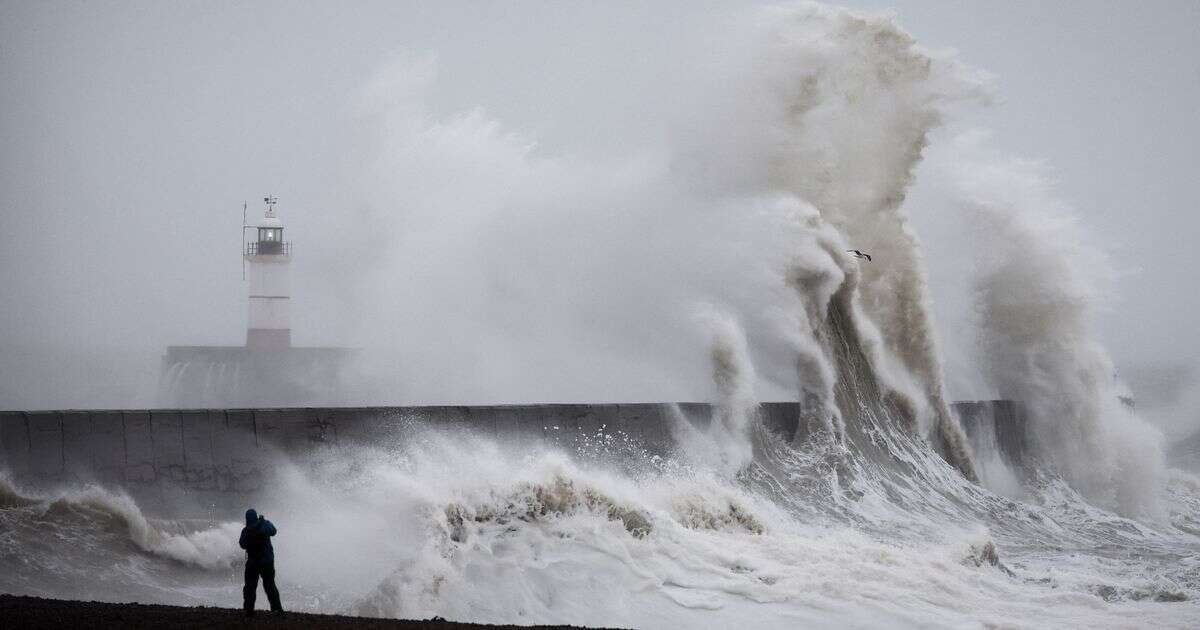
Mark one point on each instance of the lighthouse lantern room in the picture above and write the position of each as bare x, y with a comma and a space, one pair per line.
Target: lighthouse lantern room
267, 267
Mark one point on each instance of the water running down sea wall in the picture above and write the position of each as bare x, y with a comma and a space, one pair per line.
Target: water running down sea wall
223, 450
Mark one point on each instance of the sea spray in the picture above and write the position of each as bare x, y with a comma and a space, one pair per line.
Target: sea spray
736, 407
1037, 288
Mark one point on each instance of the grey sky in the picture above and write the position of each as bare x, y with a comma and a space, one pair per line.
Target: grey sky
131, 132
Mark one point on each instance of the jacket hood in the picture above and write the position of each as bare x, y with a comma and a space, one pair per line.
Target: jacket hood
251, 516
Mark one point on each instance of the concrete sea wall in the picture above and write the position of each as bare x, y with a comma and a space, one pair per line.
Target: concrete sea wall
210, 452
226, 449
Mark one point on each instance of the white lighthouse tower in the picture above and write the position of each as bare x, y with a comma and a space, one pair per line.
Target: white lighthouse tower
268, 260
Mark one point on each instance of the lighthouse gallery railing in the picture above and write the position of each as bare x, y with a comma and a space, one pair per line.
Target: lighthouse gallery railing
255, 248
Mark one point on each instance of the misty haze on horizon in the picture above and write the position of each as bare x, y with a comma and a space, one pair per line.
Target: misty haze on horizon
535, 202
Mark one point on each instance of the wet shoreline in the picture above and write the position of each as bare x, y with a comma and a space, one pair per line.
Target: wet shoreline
36, 612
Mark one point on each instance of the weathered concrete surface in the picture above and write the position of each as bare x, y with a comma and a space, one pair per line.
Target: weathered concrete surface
224, 449
207, 452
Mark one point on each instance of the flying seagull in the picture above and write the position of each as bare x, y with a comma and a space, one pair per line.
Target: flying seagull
858, 254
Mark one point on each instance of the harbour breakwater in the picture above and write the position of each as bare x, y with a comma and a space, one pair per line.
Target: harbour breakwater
214, 452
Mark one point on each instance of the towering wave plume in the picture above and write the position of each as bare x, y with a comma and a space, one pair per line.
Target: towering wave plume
847, 102
1036, 292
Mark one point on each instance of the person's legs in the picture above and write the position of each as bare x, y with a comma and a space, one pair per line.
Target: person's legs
249, 591
268, 575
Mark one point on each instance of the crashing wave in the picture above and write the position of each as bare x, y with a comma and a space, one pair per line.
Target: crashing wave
95, 507
696, 511
532, 502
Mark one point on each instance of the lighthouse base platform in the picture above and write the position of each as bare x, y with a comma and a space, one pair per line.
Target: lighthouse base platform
252, 376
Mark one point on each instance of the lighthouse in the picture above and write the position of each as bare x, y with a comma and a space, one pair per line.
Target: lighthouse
268, 260
268, 371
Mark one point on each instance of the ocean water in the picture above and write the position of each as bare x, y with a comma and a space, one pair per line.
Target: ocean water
472, 529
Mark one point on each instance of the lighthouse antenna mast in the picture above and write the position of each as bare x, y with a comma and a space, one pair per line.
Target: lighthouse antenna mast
242, 253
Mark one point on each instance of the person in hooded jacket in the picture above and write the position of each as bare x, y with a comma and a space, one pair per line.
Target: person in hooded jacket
260, 561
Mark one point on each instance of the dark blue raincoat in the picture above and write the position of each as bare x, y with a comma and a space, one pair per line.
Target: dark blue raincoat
256, 540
